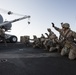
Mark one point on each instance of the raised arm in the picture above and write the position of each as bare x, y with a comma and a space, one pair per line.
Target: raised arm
56, 28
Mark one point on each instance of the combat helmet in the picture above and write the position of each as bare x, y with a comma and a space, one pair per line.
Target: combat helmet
49, 29
65, 25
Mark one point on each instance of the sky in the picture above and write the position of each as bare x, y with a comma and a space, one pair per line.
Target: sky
42, 12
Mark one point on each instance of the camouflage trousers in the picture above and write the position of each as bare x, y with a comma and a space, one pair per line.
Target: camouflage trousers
48, 43
70, 52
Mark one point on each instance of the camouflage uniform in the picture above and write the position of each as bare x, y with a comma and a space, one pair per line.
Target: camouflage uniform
50, 42
36, 42
68, 37
42, 39
55, 45
2, 34
46, 41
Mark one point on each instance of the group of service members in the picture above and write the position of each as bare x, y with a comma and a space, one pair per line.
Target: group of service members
65, 44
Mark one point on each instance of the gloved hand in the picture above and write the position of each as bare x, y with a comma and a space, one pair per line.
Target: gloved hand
46, 33
61, 23
53, 24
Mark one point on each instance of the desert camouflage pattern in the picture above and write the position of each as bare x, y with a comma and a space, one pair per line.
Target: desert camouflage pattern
50, 41
67, 36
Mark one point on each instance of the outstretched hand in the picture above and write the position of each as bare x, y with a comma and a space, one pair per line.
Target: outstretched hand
61, 23
52, 24
46, 33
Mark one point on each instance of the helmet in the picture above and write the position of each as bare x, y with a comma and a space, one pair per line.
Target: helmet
65, 25
49, 29
34, 36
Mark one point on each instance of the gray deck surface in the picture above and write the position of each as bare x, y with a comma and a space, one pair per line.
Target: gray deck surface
17, 59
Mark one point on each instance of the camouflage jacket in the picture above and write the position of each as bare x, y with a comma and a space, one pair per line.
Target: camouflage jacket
68, 36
